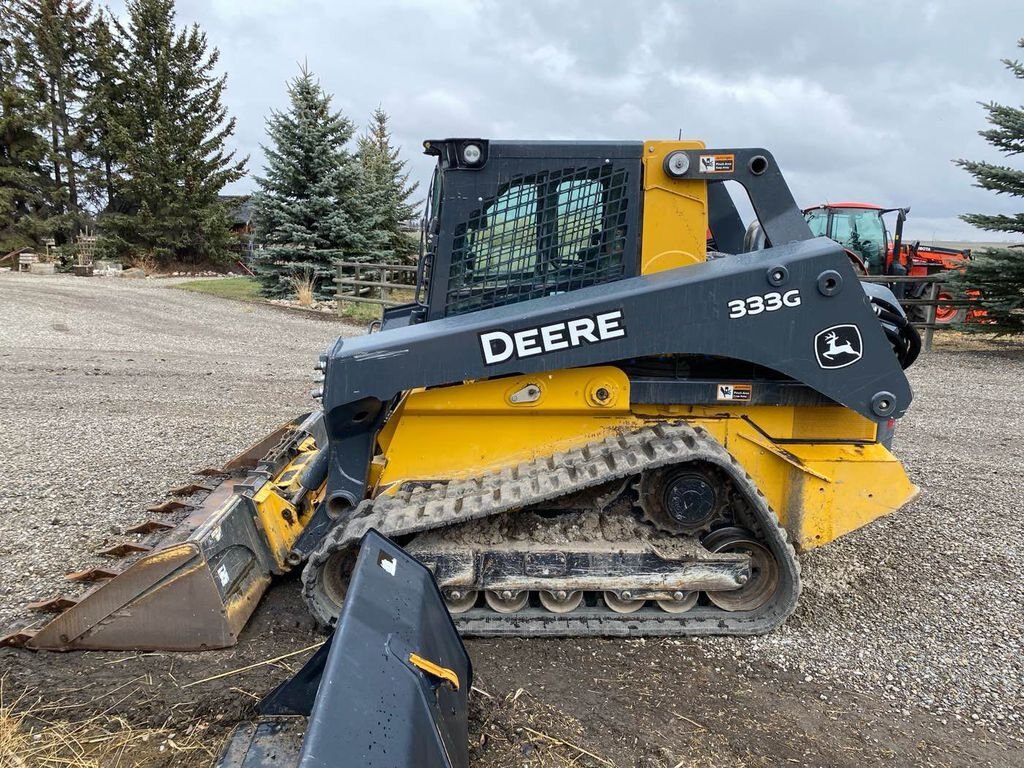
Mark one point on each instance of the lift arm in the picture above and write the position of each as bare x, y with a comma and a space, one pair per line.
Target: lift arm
797, 308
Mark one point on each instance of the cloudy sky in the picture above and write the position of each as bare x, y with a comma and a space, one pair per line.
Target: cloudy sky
862, 101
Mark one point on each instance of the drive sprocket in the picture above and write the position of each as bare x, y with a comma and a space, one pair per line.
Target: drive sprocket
684, 499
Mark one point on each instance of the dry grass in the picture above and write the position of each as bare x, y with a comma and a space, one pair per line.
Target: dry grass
518, 730
146, 262
361, 312
32, 737
358, 311
304, 284
949, 340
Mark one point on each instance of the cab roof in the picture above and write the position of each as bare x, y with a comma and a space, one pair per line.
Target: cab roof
870, 206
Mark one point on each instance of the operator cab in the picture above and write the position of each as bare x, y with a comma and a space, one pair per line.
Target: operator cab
861, 229
507, 222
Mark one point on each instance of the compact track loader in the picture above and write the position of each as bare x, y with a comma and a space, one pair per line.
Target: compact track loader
585, 424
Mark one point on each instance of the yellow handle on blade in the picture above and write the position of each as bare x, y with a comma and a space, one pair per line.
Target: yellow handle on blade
435, 669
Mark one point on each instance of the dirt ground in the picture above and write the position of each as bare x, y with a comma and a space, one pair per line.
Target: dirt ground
906, 648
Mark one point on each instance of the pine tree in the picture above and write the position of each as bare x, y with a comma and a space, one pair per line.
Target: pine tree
53, 37
388, 189
105, 93
997, 274
25, 186
311, 208
170, 137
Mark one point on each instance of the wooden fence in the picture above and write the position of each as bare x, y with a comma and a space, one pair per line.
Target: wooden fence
928, 300
366, 283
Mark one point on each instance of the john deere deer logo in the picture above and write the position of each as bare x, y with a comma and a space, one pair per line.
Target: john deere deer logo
838, 346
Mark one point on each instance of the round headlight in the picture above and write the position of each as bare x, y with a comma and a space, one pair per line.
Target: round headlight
471, 154
677, 164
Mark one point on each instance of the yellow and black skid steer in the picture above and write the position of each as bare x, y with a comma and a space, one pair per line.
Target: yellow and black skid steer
584, 424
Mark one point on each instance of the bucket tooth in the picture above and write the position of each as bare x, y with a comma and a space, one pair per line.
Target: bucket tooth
190, 488
91, 574
16, 639
211, 472
53, 604
171, 505
149, 526
124, 549
197, 587
188, 596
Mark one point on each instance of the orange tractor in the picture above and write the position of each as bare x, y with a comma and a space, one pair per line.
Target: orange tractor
861, 229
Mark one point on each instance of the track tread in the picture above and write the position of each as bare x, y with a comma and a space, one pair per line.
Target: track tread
410, 511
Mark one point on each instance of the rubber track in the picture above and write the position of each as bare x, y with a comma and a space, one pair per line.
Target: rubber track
423, 508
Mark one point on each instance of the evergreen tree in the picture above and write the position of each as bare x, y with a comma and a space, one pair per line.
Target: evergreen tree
311, 208
388, 189
105, 93
998, 273
25, 186
53, 37
170, 136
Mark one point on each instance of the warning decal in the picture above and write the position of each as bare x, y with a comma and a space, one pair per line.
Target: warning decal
734, 392
717, 163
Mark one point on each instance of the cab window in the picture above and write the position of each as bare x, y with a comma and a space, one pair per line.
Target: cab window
861, 231
504, 239
817, 220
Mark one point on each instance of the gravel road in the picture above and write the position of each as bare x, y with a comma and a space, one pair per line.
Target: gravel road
927, 605
113, 390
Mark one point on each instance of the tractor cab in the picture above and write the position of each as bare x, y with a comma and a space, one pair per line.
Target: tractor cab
860, 228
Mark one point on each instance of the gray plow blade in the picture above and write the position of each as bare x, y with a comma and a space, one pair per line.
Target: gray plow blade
388, 689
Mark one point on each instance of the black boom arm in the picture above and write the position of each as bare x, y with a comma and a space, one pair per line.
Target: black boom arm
797, 308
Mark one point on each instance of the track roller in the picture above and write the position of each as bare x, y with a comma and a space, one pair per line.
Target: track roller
681, 602
506, 601
621, 603
459, 601
560, 602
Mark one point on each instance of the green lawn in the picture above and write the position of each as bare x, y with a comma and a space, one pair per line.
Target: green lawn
359, 312
248, 289
244, 288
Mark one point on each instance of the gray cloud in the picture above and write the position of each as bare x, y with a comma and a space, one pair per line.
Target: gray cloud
857, 101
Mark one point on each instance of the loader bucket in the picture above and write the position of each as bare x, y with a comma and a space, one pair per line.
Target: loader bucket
196, 585
388, 689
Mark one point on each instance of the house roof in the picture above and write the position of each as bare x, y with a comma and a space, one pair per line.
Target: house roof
240, 207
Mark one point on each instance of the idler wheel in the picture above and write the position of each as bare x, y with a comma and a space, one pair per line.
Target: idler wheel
764, 571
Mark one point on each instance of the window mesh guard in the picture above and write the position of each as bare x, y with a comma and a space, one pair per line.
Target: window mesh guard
540, 234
